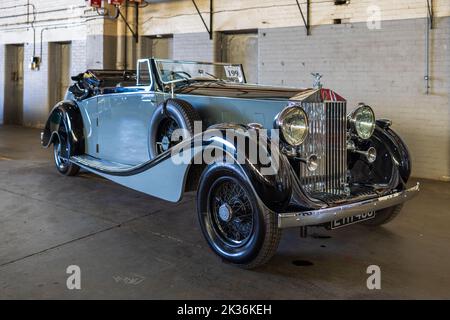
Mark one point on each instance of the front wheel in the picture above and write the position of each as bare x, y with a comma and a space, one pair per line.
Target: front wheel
236, 226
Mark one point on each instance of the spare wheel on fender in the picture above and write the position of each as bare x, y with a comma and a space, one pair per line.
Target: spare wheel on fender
169, 116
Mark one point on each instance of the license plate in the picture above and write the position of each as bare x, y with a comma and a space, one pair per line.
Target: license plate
351, 220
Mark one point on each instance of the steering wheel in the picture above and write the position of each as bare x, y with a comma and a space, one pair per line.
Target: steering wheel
180, 75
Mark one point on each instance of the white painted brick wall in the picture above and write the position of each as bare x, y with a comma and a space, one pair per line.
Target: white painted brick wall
181, 16
2, 80
383, 68
70, 13
35, 91
78, 57
193, 46
36, 83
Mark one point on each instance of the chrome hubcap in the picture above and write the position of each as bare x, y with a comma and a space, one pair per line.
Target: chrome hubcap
225, 212
165, 143
164, 135
231, 212
60, 161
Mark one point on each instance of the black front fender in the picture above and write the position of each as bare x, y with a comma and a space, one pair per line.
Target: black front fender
398, 148
273, 187
392, 166
65, 117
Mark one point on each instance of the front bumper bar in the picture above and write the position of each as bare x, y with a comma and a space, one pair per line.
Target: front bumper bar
321, 216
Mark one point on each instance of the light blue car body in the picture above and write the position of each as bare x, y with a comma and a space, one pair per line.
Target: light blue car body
116, 129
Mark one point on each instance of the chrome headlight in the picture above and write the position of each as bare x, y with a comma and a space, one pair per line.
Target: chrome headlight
293, 125
362, 121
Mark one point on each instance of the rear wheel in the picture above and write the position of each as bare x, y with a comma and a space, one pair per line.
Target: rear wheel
61, 155
384, 216
234, 223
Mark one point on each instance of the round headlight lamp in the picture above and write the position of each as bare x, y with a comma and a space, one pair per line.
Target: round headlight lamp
293, 125
363, 121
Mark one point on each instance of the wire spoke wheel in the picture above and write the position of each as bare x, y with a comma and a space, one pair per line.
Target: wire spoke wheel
236, 225
164, 135
61, 162
231, 213
61, 150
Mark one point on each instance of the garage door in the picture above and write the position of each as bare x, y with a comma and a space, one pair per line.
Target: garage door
13, 112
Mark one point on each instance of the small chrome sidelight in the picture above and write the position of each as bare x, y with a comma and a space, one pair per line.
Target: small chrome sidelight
384, 123
351, 145
312, 162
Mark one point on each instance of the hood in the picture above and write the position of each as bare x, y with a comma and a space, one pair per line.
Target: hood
249, 91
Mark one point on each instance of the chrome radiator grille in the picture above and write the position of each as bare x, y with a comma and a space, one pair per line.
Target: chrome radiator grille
327, 140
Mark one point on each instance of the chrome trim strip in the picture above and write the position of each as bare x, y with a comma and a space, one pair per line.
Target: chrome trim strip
315, 217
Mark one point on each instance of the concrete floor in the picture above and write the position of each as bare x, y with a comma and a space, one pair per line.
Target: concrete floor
129, 245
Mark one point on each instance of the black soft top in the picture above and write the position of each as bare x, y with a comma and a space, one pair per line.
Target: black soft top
108, 78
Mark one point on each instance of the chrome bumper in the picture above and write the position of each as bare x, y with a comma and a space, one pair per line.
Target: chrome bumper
320, 216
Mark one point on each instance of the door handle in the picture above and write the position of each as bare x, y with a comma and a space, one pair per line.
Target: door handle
148, 99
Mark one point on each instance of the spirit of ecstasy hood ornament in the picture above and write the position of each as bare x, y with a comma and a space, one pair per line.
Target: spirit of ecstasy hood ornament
317, 76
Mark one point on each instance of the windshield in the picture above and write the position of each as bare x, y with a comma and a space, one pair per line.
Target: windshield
170, 70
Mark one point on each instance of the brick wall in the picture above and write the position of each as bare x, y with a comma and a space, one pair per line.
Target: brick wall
181, 16
36, 104
35, 89
78, 57
2, 80
194, 46
49, 13
384, 68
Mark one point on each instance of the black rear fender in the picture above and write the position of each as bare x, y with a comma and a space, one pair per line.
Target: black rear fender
65, 117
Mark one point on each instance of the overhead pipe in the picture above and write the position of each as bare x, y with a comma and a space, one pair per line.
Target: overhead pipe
120, 55
125, 37
28, 5
130, 41
427, 45
42, 39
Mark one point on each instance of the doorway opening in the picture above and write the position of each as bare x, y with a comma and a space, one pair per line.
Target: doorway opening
59, 71
160, 47
13, 103
242, 47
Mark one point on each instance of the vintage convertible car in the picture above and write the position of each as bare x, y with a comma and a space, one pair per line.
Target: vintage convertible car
329, 168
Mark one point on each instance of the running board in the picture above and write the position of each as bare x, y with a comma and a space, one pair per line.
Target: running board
161, 177
101, 165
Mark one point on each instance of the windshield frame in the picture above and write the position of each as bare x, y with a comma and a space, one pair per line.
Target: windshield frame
197, 62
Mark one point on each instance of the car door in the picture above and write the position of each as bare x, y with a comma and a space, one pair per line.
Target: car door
124, 124
89, 113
